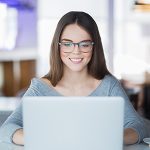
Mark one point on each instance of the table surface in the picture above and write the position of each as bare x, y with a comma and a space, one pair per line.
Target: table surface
8, 103
6, 146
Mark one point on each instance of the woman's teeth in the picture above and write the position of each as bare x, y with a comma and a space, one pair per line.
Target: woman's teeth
76, 60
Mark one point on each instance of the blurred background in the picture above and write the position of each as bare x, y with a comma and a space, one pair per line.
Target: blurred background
26, 31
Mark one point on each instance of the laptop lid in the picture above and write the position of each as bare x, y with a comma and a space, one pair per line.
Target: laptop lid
73, 123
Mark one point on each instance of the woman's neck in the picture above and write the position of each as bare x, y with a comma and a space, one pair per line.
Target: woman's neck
77, 84
76, 78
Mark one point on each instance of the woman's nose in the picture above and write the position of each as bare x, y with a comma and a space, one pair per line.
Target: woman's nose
76, 49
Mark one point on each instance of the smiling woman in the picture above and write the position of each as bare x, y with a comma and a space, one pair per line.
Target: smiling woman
77, 68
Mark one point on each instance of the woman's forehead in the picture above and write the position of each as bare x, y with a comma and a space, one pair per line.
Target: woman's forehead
75, 32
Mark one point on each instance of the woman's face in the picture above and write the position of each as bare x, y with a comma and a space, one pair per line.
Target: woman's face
75, 56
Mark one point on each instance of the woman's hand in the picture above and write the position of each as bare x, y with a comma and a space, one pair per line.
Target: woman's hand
130, 136
18, 137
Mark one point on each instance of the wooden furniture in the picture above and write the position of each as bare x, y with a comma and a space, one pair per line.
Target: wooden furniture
141, 95
146, 103
18, 67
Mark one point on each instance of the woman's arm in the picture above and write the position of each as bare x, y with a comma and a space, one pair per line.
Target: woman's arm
11, 125
12, 129
134, 126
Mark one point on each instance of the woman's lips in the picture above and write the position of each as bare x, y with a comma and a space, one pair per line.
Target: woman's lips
76, 60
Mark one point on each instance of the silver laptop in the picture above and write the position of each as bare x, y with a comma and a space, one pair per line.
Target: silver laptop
73, 123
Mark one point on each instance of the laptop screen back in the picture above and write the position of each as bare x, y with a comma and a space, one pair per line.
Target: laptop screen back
73, 123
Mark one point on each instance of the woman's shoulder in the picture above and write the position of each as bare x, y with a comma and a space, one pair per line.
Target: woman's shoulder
110, 80
113, 85
106, 85
46, 81
41, 83
40, 87
38, 82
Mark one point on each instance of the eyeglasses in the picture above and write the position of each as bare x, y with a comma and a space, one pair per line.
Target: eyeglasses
84, 46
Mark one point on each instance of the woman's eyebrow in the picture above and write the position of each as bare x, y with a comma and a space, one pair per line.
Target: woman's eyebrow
66, 40
87, 40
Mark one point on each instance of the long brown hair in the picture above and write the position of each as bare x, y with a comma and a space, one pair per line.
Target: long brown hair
97, 65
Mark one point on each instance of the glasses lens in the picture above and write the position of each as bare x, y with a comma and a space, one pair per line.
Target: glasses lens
66, 46
85, 46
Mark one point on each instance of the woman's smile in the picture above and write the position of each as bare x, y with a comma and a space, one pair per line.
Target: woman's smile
76, 60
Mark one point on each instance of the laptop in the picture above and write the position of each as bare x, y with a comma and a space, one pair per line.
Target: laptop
73, 123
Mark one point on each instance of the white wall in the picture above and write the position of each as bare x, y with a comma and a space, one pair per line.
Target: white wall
56, 8
131, 40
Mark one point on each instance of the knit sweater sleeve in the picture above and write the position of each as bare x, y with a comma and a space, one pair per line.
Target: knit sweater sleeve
15, 121
131, 117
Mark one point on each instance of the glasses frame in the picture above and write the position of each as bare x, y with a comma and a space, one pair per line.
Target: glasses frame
79, 46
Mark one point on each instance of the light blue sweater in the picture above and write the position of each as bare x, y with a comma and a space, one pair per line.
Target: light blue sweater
109, 86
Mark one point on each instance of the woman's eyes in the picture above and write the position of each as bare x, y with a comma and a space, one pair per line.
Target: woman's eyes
84, 44
81, 44
67, 44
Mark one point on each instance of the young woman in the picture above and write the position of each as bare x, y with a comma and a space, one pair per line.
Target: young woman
77, 68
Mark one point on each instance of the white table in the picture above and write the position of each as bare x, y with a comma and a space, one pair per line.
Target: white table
137, 147
7, 106
6, 146
8, 103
